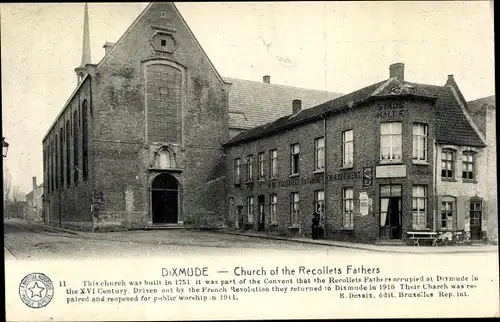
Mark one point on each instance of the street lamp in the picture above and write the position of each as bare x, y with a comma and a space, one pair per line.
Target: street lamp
5, 147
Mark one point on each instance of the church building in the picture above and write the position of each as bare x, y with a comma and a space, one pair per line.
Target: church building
139, 141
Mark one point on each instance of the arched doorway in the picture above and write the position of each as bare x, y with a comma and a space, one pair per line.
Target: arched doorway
165, 199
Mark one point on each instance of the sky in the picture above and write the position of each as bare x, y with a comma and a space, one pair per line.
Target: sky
333, 46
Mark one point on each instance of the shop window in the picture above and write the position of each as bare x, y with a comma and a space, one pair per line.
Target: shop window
273, 155
448, 213
420, 142
347, 148
319, 155
294, 208
294, 159
390, 142
447, 164
347, 208
468, 166
419, 207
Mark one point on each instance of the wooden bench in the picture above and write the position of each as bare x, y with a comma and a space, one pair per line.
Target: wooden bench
416, 236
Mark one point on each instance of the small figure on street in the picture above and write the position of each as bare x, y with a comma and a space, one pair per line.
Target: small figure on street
315, 226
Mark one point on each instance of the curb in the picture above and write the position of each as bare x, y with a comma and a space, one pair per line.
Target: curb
305, 241
8, 254
57, 229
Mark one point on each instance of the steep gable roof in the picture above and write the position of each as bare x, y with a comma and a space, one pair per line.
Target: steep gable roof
452, 126
254, 103
148, 8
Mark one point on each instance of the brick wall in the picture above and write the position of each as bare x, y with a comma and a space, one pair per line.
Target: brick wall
366, 154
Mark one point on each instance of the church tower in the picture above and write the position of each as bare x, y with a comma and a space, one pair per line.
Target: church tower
81, 71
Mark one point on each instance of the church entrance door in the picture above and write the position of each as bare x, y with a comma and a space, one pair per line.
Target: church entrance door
165, 199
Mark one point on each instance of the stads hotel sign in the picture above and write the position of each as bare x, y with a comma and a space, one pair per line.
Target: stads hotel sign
388, 110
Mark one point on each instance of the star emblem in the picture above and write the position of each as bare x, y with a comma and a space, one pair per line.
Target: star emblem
36, 290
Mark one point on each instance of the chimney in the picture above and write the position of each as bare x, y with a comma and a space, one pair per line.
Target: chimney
296, 106
397, 70
107, 47
266, 79
34, 183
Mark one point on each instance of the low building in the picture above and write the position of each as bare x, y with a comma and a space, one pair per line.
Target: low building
371, 162
33, 210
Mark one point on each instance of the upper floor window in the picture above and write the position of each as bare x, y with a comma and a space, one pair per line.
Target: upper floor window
447, 164
274, 208
294, 158
237, 170
273, 155
468, 165
294, 208
319, 155
347, 148
420, 142
260, 159
390, 141
249, 167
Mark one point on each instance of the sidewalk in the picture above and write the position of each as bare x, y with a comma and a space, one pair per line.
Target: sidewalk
324, 242
374, 247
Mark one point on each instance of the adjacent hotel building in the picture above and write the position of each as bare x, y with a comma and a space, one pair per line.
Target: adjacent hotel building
390, 158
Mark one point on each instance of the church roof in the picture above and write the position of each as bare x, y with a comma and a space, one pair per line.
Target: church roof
453, 127
255, 103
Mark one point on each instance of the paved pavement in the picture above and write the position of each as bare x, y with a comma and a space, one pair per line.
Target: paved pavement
479, 248
29, 240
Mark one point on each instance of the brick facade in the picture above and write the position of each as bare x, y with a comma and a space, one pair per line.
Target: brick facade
154, 94
365, 122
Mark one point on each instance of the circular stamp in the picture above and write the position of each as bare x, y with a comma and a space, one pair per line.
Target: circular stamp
36, 290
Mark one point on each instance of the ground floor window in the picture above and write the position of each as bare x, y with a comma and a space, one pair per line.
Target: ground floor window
448, 213
419, 207
250, 210
347, 208
319, 203
294, 208
274, 206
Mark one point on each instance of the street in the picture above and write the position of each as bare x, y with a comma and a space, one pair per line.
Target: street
27, 241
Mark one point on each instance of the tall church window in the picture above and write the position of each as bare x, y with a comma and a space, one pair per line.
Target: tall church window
61, 158
85, 167
75, 147
56, 173
68, 154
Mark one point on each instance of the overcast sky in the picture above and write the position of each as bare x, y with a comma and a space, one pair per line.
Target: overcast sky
335, 46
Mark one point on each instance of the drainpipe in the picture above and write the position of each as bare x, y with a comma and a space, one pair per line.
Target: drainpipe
324, 179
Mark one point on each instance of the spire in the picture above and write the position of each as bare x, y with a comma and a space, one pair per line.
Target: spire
86, 38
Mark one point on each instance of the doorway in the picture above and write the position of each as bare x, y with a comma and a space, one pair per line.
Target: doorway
475, 219
390, 212
165, 199
261, 199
